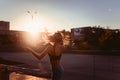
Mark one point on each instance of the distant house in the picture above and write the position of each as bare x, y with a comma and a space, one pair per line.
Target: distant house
4, 25
10, 39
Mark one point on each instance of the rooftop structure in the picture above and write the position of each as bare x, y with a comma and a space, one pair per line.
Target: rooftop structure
4, 25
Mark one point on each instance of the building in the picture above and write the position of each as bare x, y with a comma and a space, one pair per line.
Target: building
79, 33
4, 25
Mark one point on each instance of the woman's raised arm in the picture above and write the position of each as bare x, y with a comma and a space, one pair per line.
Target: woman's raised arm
42, 54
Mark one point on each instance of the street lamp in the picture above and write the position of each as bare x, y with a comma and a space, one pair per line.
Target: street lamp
32, 14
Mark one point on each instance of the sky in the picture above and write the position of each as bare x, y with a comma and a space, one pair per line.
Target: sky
57, 15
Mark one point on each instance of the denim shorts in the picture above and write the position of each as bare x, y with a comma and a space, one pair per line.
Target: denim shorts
57, 73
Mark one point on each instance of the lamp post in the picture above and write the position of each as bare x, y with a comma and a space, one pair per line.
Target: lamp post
32, 18
32, 14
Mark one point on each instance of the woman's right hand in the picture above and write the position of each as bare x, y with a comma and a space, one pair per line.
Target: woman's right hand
45, 37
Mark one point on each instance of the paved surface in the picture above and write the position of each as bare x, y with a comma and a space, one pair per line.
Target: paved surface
76, 66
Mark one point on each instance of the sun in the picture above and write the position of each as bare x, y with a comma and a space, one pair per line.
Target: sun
33, 28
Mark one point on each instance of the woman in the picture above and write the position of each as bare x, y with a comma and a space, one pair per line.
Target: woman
54, 50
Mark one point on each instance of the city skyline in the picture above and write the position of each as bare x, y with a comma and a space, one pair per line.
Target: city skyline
59, 14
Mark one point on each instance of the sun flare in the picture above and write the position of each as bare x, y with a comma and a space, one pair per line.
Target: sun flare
33, 23
25, 22
32, 28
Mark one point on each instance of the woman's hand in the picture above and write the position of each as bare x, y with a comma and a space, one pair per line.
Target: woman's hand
45, 37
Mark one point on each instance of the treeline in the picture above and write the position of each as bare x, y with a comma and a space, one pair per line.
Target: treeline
99, 38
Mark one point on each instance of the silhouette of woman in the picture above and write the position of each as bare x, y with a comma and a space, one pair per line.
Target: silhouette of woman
54, 51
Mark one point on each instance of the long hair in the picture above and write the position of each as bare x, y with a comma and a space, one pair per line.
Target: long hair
57, 38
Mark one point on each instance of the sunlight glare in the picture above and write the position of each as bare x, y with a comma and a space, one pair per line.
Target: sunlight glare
15, 76
25, 22
32, 39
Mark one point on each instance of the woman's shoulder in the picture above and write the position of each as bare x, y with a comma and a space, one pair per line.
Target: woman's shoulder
50, 46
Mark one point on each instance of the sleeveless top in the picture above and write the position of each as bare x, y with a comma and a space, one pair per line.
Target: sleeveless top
54, 57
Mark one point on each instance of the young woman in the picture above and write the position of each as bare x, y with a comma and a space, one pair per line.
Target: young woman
54, 51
